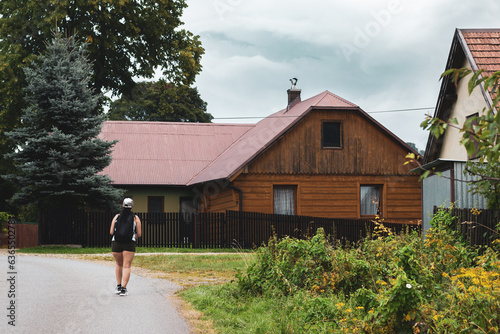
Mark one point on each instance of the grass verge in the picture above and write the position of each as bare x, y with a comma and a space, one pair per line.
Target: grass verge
191, 270
231, 312
104, 250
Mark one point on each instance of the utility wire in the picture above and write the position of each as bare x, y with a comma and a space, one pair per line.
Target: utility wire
368, 112
397, 110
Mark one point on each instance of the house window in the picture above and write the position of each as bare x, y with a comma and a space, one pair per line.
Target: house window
186, 209
473, 120
332, 135
155, 204
284, 200
370, 200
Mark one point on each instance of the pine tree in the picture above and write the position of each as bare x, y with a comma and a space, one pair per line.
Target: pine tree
58, 154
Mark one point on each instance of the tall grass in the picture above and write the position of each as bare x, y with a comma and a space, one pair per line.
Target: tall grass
387, 284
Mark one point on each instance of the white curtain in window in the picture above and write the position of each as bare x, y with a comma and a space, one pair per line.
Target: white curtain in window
284, 201
370, 200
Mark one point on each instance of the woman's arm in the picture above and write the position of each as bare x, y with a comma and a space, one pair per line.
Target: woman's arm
112, 228
138, 229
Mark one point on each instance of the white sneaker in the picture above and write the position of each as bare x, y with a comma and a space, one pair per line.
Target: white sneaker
124, 292
118, 289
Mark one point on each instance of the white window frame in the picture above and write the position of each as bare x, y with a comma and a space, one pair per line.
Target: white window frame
370, 199
284, 199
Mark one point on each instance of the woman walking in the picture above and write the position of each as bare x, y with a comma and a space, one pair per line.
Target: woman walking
126, 230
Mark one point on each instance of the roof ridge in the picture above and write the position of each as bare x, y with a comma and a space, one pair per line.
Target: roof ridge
468, 30
342, 99
178, 123
264, 134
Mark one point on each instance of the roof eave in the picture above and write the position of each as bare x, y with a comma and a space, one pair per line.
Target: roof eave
238, 169
433, 164
121, 185
439, 109
472, 61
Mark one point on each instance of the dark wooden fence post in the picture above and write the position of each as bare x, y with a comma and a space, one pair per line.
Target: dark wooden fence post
195, 227
241, 236
41, 226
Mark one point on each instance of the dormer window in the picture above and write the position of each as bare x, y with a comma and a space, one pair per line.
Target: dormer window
331, 134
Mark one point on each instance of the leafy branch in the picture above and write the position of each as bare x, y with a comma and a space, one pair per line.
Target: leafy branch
480, 135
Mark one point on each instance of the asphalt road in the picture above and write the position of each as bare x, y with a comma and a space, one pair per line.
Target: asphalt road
55, 295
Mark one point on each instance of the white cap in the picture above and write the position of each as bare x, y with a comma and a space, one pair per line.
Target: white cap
128, 203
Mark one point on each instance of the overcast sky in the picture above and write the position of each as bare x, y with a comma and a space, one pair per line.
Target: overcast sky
380, 55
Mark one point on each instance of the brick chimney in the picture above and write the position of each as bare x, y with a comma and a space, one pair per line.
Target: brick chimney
293, 94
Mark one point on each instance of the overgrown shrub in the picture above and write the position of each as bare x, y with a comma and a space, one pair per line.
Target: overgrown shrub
387, 284
288, 265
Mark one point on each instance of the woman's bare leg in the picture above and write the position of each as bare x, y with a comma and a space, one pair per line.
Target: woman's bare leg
119, 267
127, 263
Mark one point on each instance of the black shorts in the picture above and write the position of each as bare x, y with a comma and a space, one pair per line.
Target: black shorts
118, 247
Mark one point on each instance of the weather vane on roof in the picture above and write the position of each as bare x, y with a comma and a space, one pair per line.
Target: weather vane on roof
294, 82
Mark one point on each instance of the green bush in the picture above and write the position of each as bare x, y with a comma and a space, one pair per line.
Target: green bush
387, 284
288, 265
4, 218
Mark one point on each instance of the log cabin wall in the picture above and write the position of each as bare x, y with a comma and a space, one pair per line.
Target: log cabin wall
365, 149
218, 198
328, 180
336, 196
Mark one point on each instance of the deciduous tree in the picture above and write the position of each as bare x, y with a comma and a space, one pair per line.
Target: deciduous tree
126, 40
480, 135
161, 101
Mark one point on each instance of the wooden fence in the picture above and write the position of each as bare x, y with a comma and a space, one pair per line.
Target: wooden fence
478, 226
65, 226
223, 230
19, 235
248, 229
158, 229
26, 235
205, 230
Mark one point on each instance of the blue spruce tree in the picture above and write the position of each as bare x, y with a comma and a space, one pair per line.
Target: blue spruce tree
59, 153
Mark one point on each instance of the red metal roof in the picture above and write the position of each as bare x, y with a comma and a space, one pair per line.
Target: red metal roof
158, 153
164, 153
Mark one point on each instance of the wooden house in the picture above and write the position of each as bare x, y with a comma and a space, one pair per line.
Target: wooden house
323, 156
474, 49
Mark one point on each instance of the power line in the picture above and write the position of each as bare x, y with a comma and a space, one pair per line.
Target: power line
398, 110
369, 112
